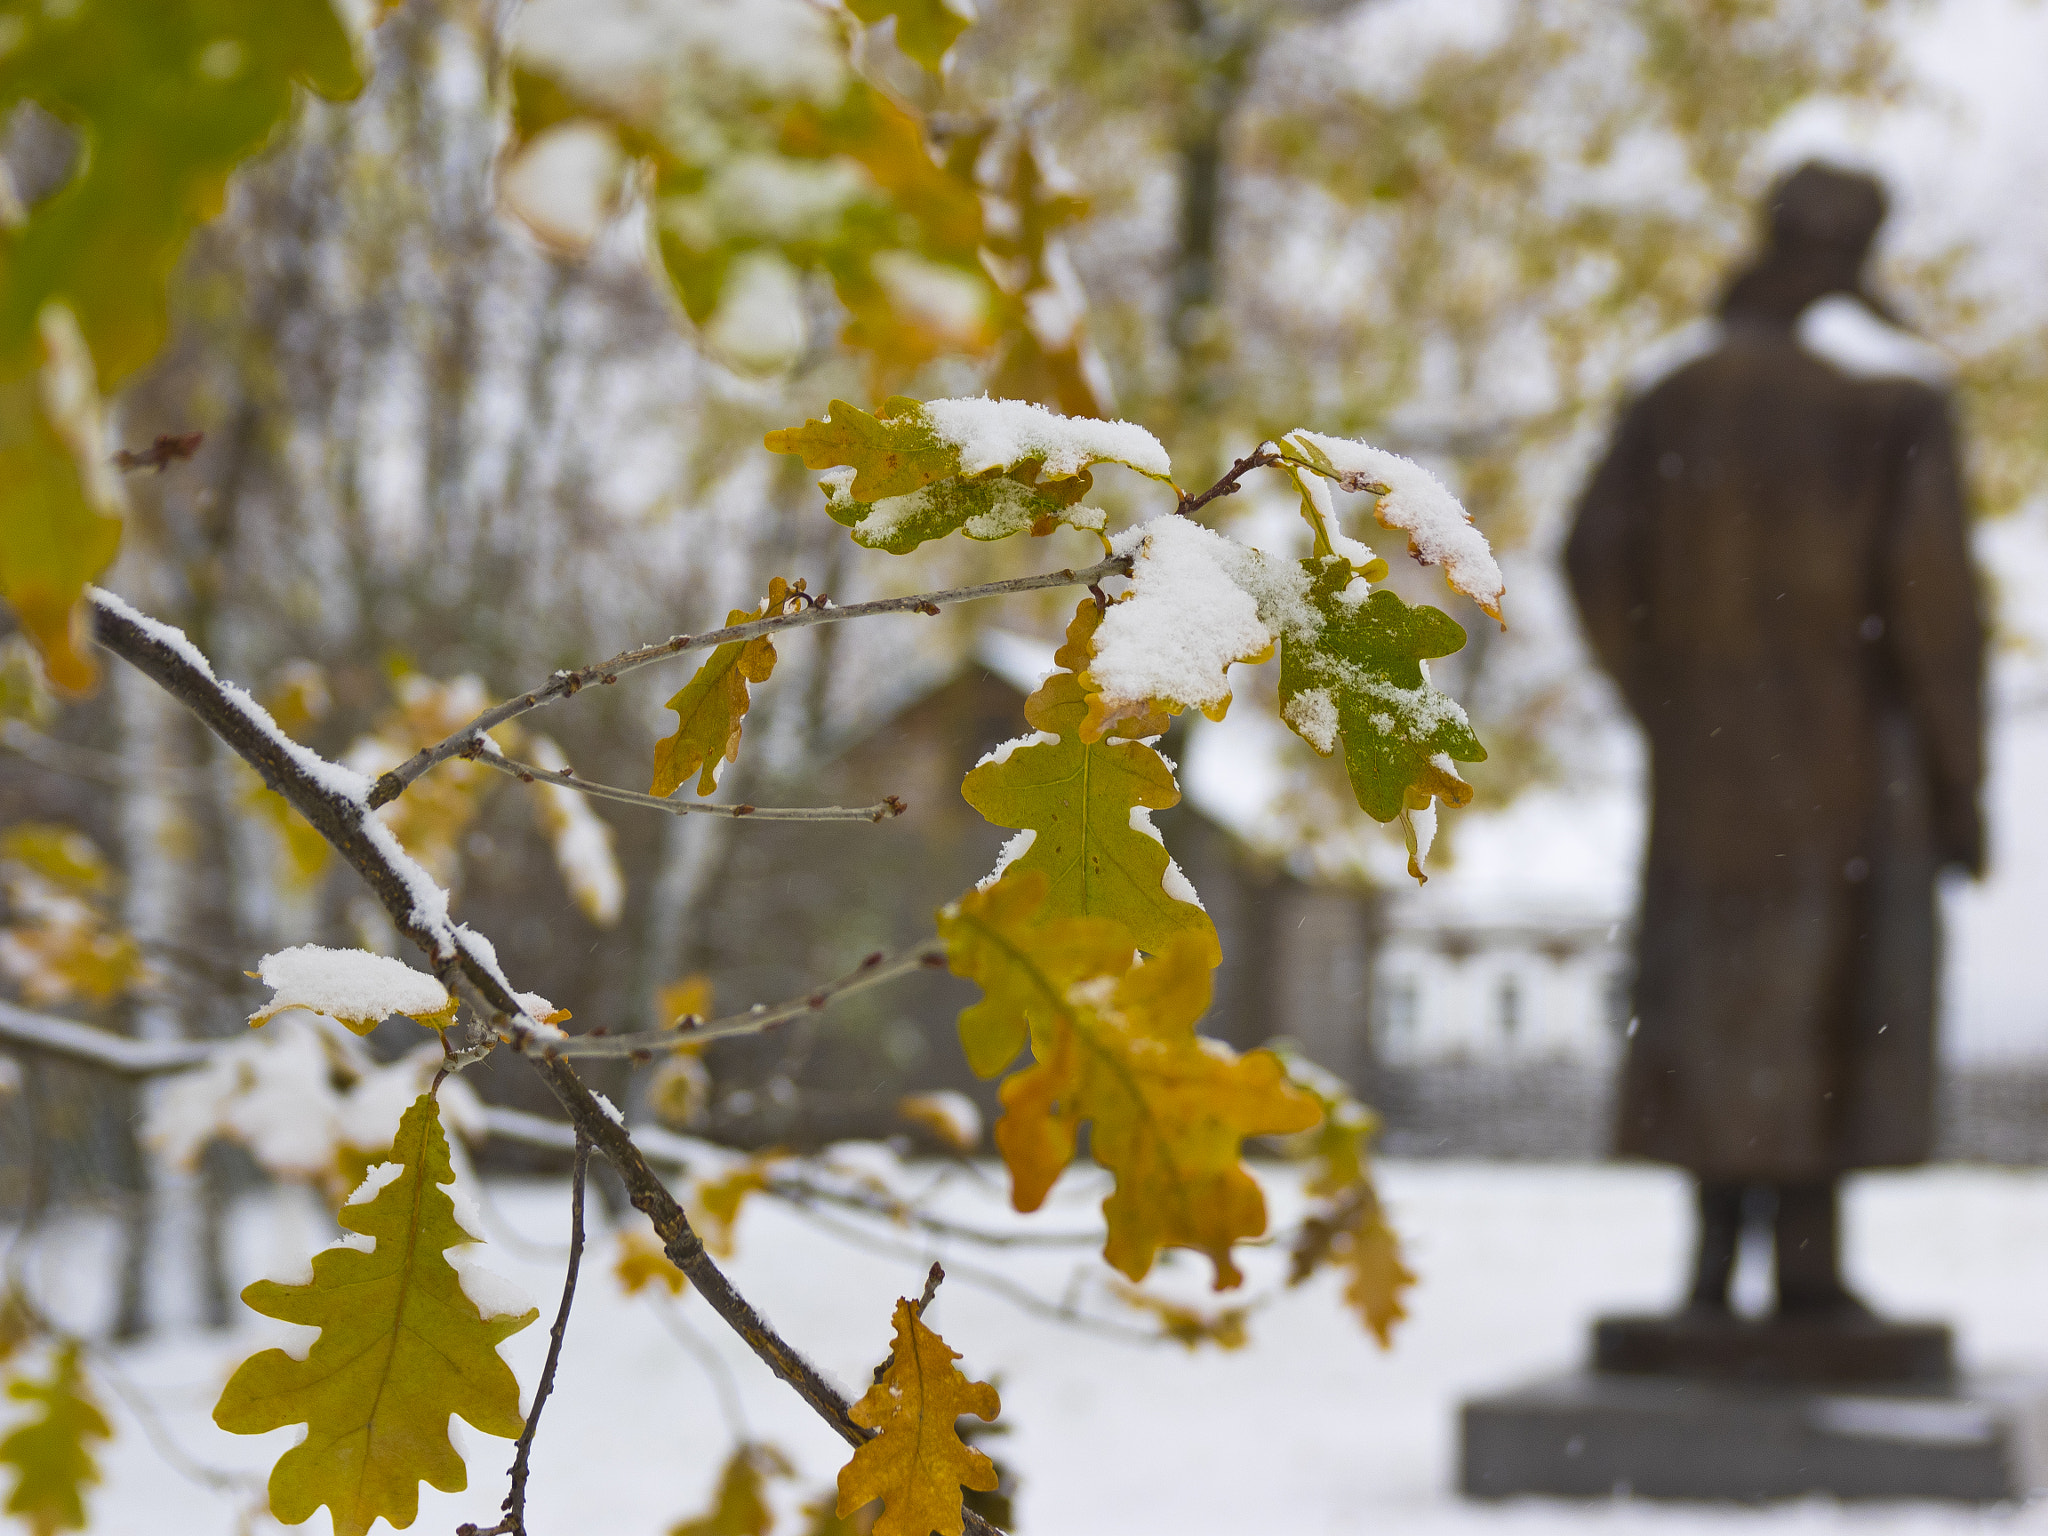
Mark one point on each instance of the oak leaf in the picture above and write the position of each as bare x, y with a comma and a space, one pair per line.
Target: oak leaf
892, 453
1349, 1226
740, 1505
917, 1464
642, 1262
404, 1343
710, 707
1086, 807
1117, 1048
715, 1203
52, 1462
1188, 1326
1358, 680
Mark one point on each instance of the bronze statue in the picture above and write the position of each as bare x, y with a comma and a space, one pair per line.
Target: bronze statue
1772, 563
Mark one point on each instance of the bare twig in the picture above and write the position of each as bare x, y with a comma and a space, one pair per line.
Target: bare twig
467, 968
563, 778
160, 455
1258, 458
562, 684
799, 1191
89, 763
514, 1523
871, 972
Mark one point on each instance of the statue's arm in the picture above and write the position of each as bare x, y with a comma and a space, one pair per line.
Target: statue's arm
1934, 622
1604, 562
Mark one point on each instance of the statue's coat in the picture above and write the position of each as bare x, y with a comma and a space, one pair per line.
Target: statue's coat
1772, 563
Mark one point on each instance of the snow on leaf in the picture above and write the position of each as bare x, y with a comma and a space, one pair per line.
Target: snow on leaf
988, 468
350, 986
1411, 500
925, 29
710, 707
51, 1460
403, 1345
1116, 1046
740, 1505
1362, 660
1077, 797
1169, 643
917, 1463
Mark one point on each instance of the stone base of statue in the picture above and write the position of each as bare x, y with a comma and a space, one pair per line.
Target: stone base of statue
1725, 1409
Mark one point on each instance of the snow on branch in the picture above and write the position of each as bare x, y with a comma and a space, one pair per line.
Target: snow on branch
335, 801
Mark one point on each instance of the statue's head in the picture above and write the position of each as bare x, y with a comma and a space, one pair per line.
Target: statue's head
1818, 225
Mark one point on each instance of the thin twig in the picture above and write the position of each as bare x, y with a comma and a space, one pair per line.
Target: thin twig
467, 969
799, 1191
562, 684
514, 1523
871, 972
101, 767
563, 778
1258, 458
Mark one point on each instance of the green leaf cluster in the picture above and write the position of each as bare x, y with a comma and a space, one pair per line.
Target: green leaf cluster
402, 1346
165, 98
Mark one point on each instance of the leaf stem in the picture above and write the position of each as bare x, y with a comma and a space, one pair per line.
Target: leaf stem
562, 684
478, 751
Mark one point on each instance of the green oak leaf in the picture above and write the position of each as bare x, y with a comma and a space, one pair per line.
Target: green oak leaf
402, 1346
1358, 680
1087, 807
53, 1465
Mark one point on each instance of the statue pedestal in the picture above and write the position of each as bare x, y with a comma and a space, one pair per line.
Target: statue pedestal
1728, 1410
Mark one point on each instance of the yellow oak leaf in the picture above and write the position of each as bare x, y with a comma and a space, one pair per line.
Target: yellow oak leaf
52, 1463
1352, 1230
740, 1506
641, 1263
1349, 1226
1117, 1048
1189, 1326
980, 933
917, 1463
715, 1203
892, 453
1083, 812
710, 707
406, 1340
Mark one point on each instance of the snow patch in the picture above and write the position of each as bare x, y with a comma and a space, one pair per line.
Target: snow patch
1313, 714
1013, 850
374, 1180
492, 1294
996, 434
347, 984
1421, 506
1003, 753
1845, 333
1186, 619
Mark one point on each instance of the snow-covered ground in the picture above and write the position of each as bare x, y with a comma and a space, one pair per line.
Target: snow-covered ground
1311, 1429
